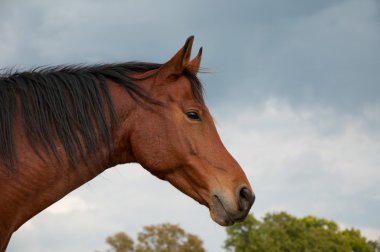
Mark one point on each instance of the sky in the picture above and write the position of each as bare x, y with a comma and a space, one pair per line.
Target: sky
293, 86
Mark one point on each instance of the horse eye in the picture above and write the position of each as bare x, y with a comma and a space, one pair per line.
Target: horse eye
193, 115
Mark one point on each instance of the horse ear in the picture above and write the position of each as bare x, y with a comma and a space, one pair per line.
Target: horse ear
178, 62
195, 63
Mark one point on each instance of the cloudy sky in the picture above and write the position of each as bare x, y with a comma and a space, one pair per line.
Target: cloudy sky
294, 87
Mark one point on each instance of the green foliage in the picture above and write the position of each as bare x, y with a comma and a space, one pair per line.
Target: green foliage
375, 245
282, 232
356, 241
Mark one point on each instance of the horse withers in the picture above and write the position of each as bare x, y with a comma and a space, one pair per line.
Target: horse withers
62, 126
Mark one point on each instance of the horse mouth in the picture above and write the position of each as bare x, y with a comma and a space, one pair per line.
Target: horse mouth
219, 213
222, 213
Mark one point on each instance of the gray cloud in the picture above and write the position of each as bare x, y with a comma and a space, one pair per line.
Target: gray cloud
329, 57
307, 52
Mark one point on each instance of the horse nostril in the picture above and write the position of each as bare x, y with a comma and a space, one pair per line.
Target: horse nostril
246, 199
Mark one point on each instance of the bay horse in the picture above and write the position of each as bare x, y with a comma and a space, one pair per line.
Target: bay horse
62, 126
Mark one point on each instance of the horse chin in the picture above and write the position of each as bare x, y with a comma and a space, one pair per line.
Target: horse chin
223, 221
224, 213
219, 214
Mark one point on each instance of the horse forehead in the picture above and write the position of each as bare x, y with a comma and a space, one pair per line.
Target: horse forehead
180, 89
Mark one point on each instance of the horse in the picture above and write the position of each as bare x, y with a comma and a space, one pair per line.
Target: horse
62, 126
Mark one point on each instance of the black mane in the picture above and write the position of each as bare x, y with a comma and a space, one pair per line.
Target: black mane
69, 104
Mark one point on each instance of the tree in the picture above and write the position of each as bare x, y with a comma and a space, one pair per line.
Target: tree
243, 236
375, 245
120, 242
356, 241
279, 232
167, 238
157, 238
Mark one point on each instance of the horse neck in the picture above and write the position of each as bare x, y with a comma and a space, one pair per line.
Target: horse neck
37, 184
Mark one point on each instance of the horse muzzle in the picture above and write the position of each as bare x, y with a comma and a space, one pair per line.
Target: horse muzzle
226, 212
